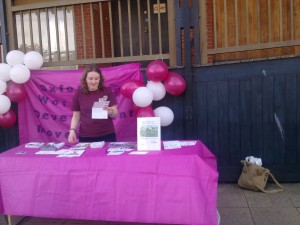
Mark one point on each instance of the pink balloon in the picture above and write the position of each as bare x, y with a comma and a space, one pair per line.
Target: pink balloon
8, 119
15, 92
145, 112
175, 84
130, 86
157, 71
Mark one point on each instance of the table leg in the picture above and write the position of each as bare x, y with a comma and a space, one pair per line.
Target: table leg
14, 220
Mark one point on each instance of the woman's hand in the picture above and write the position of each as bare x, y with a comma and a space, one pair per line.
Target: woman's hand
72, 137
112, 111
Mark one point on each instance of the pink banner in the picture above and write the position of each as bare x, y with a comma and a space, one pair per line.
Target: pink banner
45, 114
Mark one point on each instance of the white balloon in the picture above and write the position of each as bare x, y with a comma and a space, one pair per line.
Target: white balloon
33, 60
4, 71
19, 74
142, 96
3, 87
15, 57
5, 104
158, 89
166, 115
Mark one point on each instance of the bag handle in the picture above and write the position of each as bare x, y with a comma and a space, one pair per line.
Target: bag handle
272, 191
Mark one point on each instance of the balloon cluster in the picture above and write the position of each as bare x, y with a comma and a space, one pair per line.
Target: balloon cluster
161, 81
13, 75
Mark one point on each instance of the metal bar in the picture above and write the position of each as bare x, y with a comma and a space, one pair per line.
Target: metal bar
75, 36
120, 27
22, 30
57, 35
159, 28
140, 27
66, 34
292, 20
93, 29
102, 30
129, 27
269, 22
30, 30
258, 19
83, 31
247, 22
149, 26
40, 31
111, 31
48, 33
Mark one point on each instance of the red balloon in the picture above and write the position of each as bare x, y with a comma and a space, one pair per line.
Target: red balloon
157, 71
8, 119
15, 92
175, 84
145, 112
130, 86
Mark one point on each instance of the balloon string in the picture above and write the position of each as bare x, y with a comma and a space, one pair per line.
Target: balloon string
161, 57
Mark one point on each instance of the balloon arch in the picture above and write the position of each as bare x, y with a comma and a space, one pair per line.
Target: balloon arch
161, 81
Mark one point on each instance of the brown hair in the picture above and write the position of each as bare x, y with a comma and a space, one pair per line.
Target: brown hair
91, 68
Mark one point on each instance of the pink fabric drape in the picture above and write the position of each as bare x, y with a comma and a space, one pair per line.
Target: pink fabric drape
45, 114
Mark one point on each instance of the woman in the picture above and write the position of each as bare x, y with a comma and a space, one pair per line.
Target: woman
92, 90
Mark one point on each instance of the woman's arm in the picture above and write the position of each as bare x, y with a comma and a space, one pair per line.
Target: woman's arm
74, 123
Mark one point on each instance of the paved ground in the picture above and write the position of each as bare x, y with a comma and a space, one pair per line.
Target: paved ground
236, 207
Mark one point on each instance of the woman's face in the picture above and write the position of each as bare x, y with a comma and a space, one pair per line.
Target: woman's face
92, 80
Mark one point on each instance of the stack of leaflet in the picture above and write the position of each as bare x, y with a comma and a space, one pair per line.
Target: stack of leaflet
52, 146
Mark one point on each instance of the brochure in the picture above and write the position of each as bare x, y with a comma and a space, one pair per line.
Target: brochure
80, 146
148, 133
52, 146
125, 146
34, 144
98, 111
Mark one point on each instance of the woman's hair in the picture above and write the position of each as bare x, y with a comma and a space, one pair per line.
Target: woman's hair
91, 68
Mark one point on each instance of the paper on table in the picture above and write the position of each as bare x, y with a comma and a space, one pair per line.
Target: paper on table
171, 144
115, 152
138, 153
187, 143
70, 153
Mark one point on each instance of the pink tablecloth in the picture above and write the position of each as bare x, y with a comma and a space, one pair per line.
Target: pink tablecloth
169, 186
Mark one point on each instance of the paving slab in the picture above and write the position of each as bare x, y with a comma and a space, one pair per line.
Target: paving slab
230, 195
275, 216
235, 216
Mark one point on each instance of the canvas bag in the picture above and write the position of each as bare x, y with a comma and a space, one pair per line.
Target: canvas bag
254, 177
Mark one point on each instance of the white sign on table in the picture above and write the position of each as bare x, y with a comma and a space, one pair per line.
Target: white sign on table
148, 133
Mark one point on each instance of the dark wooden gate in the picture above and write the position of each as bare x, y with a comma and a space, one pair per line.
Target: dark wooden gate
251, 109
